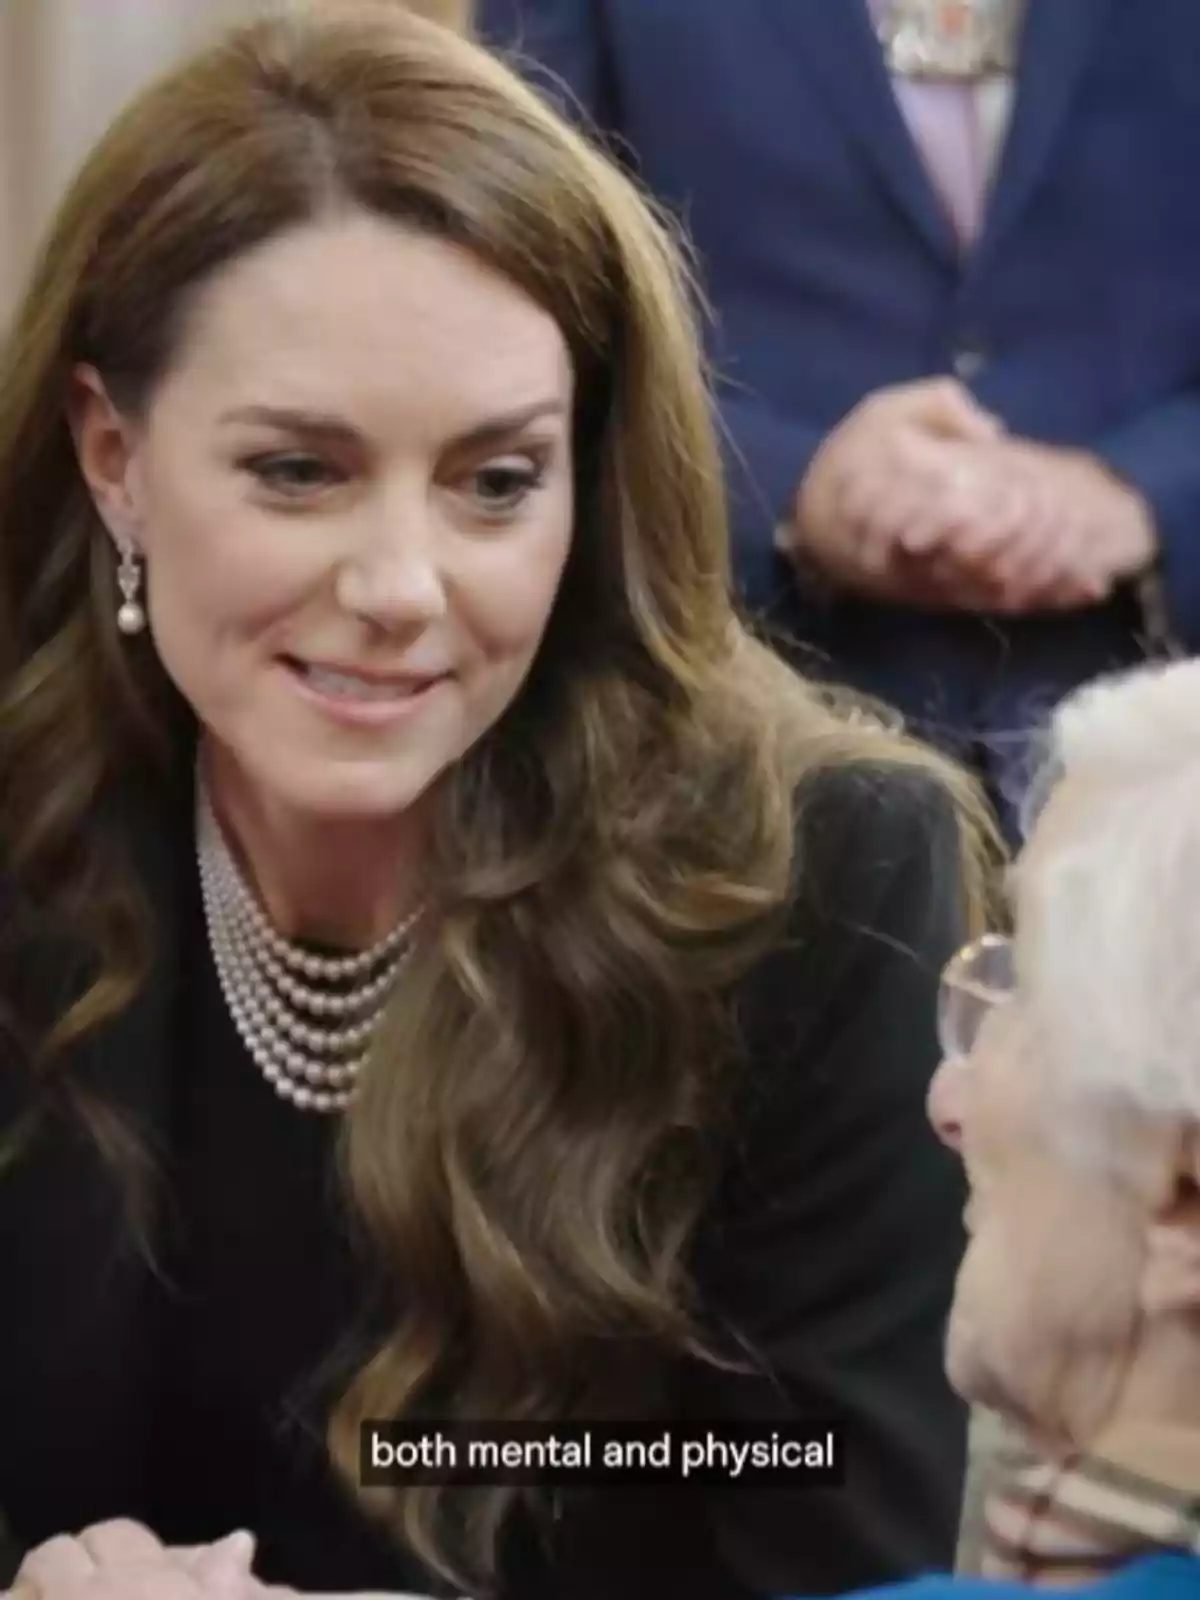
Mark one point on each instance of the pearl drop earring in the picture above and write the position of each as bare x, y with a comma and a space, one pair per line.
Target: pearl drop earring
131, 618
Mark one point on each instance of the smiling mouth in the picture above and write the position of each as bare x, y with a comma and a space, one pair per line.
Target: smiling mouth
348, 685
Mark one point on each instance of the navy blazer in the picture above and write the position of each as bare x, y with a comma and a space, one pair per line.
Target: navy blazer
772, 129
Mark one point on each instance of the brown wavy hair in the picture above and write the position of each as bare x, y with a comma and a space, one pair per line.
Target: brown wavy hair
529, 1145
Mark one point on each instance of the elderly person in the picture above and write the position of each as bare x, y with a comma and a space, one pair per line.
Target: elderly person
1071, 1089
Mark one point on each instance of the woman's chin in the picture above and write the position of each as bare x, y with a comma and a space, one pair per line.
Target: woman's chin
362, 793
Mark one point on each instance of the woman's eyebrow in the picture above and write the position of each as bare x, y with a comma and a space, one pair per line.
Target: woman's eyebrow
325, 425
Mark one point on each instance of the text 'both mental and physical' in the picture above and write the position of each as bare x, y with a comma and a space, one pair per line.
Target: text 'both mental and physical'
704, 1453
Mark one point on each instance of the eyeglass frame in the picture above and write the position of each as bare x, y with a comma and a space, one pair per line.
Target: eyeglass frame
956, 980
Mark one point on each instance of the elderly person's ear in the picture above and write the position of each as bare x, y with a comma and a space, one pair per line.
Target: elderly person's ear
1171, 1281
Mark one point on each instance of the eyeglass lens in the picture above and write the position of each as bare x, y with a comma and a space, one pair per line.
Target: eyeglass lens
976, 982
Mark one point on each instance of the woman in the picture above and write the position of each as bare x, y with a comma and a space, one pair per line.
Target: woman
372, 690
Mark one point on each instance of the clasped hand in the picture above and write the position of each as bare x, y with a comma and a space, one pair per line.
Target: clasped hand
919, 497
122, 1560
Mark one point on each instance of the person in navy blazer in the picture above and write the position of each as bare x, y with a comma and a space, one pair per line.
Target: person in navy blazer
969, 480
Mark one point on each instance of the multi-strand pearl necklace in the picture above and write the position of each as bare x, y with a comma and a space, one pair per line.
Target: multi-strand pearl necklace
307, 1020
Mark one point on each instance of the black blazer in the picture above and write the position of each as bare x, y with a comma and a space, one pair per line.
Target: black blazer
831, 1244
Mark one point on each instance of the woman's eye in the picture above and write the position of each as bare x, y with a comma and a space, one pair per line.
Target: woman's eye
505, 485
292, 472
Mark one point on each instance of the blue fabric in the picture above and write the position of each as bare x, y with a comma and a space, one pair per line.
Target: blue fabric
771, 128
1164, 1576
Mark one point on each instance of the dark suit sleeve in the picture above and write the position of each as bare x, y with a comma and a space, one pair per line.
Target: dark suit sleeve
560, 46
563, 48
841, 1232
10, 1558
1159, 454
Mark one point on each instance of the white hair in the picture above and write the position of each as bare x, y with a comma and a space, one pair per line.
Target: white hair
1109, 946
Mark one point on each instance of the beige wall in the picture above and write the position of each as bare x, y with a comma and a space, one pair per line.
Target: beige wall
16, 18
66, 66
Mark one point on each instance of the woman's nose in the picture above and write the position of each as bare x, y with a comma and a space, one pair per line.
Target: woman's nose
393, 577
944, 1103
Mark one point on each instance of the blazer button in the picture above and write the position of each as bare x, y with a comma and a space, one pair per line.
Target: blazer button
968, 361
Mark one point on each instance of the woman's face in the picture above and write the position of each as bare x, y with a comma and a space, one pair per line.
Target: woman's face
353, 493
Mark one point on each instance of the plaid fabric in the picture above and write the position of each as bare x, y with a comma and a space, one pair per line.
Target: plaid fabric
1073, 1521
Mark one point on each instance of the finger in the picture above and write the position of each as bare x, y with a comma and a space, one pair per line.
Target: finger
1054, 560
988, 515
225, 1563
942, 583
1018, 575
192, 1552
875, 552
1040, 548
970, 510
922, 533
1074, 593
1018, 593
58, 1563
963, 586
122, 1542
1051, 565
1049, 588
977, 542
860, 498
885, 520
945, 407
1011, 523
919, 523
883, 505
969, 555
856, 545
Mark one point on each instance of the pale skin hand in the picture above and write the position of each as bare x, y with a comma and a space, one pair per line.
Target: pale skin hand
122, 1560
920, 498
882, 468
1049, 528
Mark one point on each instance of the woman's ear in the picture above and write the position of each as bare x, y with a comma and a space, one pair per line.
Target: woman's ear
104, 447
1171, 1277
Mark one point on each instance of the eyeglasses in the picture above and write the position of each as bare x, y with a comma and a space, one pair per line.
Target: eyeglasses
979, 978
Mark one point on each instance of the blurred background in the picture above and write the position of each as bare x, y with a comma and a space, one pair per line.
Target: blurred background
66, 66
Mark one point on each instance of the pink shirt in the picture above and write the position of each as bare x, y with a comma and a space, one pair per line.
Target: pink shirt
959, 130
